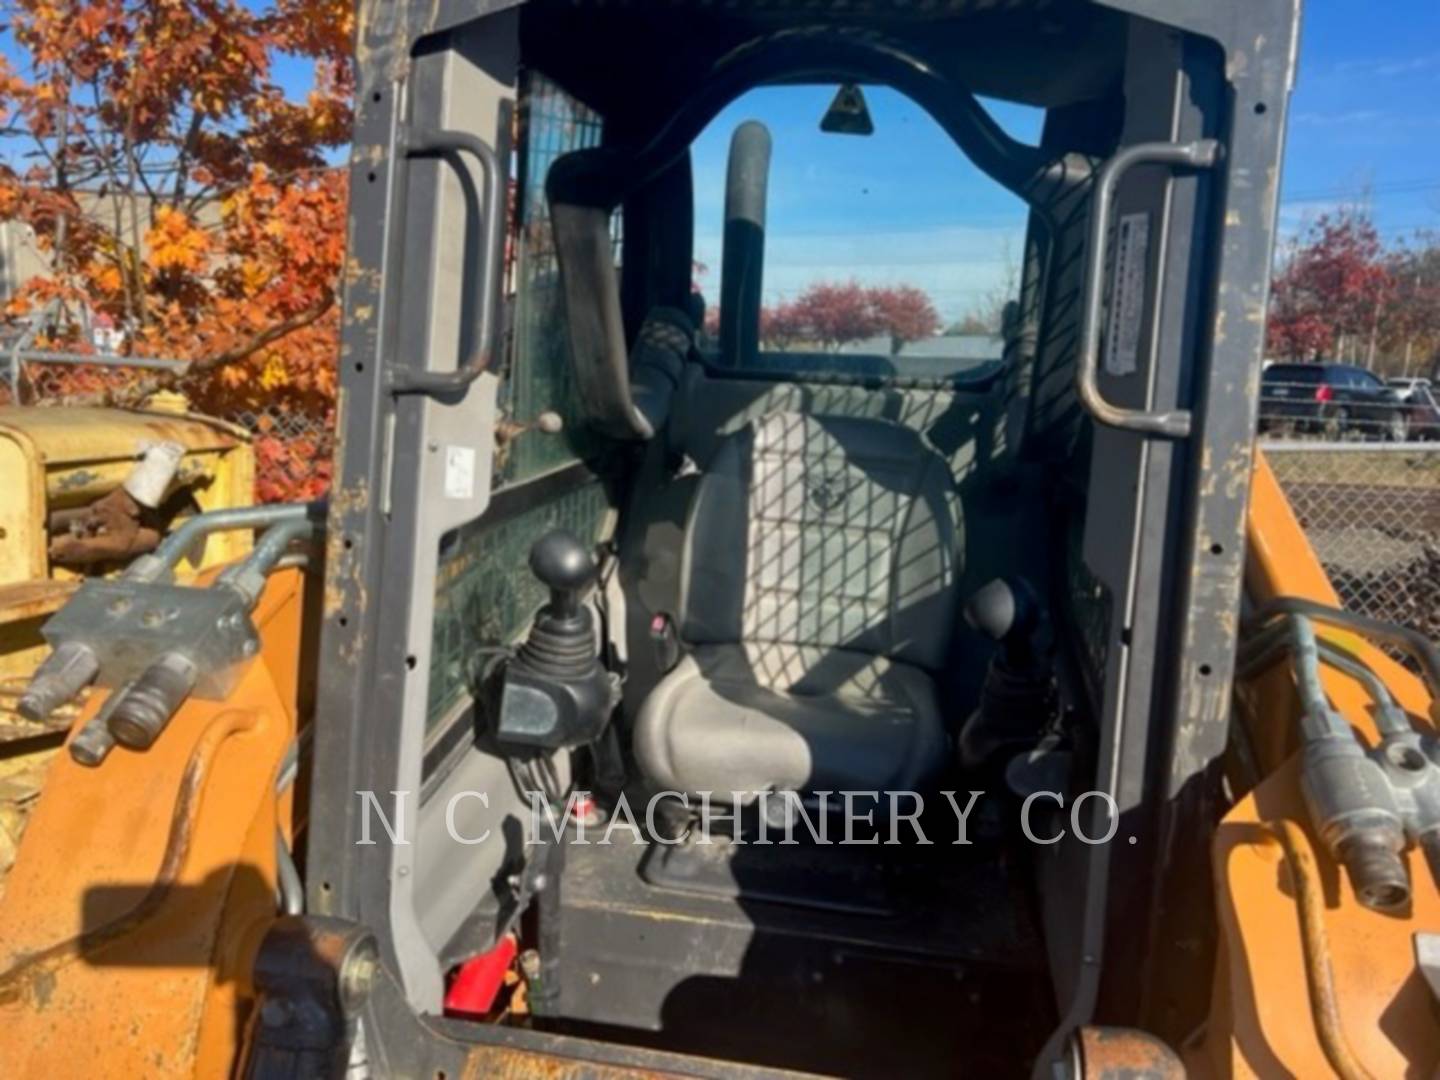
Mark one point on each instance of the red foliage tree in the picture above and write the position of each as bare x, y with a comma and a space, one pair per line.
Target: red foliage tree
905, 313
1333, 286
835, 315
782, 326
1411, 323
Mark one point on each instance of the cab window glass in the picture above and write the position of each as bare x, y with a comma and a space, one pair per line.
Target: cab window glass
884, 254
550, 123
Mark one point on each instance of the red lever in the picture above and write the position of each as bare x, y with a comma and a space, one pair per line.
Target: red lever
478, 980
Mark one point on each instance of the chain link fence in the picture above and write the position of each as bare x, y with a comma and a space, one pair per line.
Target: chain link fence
1372, 513
293, 443
1359, 459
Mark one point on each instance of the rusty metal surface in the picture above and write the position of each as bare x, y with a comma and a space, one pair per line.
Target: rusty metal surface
1114, 1053
506, 1063
31, 599
516, 1063
114, 526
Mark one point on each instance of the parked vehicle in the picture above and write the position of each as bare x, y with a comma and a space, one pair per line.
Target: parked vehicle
1336, 400
1424, 413
1406, 384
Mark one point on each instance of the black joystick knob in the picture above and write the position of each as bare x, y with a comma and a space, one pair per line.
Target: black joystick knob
562, 562
1015, 698
555, 692
1007, 611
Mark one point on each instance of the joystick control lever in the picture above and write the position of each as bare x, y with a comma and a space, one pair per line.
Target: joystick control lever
554, 692
1015, 699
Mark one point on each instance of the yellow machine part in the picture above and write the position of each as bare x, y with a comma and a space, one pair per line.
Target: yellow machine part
1308, 982
60, 458
129, 923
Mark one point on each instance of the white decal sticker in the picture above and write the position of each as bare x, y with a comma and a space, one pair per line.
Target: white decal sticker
1127, 295
459, 472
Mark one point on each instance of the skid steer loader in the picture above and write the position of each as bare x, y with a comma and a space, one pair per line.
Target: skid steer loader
596, 724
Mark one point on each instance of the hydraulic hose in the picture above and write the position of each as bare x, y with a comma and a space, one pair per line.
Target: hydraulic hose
175, 546
1413, 643
1319, 974
289, 886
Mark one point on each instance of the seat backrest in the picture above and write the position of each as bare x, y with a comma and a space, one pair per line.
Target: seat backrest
824, 531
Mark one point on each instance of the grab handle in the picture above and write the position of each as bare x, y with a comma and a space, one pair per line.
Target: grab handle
427, 144
1174, 424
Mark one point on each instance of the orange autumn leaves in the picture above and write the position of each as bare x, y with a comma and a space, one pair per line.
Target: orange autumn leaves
178, 190
175, 243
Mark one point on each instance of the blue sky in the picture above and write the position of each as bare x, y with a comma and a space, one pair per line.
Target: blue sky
904, 204
901, 206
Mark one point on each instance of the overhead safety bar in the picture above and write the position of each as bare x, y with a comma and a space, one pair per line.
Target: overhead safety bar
1173, 424
440, 383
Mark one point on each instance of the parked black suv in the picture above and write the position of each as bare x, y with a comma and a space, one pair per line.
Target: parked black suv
1336, 400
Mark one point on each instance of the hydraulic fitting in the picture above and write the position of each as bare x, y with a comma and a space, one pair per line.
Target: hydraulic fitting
146, 706
92, 743
1355, 812
63, 674
155, 643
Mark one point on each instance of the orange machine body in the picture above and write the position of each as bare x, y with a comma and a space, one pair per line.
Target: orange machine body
1267, 1018
143, 887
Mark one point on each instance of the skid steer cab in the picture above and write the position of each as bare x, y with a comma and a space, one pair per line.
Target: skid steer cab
705, 666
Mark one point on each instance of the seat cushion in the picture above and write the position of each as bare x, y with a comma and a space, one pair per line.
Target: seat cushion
823, 531
762, 717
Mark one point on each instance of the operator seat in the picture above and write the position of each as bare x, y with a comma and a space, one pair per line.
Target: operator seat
818, 592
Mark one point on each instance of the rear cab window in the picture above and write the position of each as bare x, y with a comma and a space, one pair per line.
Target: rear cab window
884, 255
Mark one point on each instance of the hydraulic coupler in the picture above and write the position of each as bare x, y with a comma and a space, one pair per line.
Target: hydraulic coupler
155, 644
1366, 804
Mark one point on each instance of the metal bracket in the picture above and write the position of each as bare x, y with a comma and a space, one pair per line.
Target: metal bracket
1175, 424
436, 383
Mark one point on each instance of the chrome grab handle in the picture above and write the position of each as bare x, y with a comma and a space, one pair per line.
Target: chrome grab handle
1174, 424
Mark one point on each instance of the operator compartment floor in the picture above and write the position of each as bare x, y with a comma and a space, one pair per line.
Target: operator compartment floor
858, 961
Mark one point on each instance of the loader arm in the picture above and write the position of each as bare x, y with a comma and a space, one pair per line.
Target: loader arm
1308, 980
129, 924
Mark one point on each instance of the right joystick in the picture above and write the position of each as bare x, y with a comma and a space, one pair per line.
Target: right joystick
1015, 698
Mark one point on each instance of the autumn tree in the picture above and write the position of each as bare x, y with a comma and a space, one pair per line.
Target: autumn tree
1331, 291
835, 315
971, 325
1411, 321
178, 192
782, 326
905, 313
